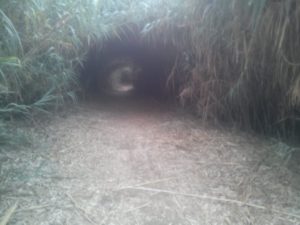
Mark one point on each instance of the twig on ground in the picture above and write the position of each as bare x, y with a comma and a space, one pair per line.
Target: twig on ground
148, 182
221, 163
8, 214
218, 199
81, 210
33, 208
138, 207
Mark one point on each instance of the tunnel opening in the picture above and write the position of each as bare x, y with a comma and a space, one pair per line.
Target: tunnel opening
128, 66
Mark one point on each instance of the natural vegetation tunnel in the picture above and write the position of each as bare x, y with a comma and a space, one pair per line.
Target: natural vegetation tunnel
128, 66
117, 150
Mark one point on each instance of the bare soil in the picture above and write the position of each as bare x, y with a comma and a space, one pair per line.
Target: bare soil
137, 161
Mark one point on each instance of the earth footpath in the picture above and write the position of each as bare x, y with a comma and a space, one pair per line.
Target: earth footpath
138, 161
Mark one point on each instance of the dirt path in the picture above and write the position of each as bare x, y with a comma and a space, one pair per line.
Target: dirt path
137, 162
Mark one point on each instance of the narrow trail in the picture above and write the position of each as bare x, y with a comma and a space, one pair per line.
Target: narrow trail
142, 162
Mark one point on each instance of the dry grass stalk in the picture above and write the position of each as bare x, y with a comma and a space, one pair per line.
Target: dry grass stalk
8, 214
81, 210
217, 199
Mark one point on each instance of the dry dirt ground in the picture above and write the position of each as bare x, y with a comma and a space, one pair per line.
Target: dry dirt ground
132, 162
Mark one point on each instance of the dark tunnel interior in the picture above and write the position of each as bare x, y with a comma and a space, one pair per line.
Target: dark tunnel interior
128, 65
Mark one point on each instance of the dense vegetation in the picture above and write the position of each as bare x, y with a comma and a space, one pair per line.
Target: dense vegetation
243, 55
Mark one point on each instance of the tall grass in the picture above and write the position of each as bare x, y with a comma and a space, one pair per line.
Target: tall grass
248, 62
38, 57
245, 62
35, 69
